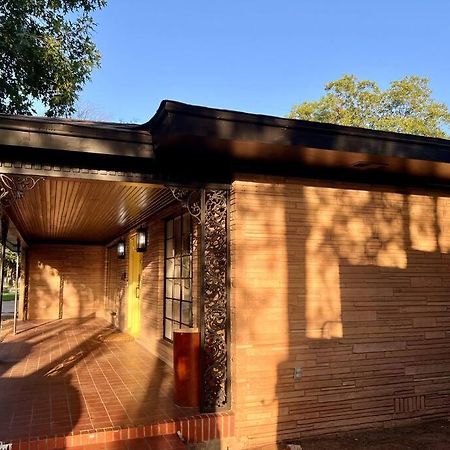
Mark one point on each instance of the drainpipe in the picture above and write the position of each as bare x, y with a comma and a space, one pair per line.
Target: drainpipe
16, 295
5, 225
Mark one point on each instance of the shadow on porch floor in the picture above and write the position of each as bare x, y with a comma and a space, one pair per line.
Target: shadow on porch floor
70, 377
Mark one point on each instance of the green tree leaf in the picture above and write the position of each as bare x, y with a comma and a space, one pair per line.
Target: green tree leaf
46, 54
406, 106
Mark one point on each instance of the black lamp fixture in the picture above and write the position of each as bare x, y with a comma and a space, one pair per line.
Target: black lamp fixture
141, 241
121, 249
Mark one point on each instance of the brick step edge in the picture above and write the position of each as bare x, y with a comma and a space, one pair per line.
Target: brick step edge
169, 441
194, 429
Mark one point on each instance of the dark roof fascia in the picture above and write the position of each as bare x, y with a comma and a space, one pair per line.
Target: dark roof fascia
174, 118
82, 127
75, 136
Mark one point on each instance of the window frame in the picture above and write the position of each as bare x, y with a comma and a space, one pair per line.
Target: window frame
177, 323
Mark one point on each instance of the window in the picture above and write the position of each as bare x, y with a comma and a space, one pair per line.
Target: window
178, 278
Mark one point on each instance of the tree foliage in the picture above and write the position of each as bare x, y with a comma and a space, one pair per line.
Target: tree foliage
46, 53
405, 106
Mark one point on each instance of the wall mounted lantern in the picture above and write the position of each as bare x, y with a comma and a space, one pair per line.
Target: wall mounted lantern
121, 249
141, 241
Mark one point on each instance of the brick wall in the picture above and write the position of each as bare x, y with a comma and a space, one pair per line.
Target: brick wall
152, 293
115, 292
349, 284
152, 286
74, 271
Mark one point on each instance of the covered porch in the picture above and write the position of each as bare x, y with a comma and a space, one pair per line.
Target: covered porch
80, 381
93, 353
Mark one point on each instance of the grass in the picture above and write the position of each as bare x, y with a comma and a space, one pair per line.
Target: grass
8, 296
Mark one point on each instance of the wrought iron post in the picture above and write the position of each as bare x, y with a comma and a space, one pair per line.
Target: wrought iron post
211, 209
61, 296
5, 226
215, 317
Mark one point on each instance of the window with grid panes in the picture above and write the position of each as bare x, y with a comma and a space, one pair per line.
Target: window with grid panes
178, 278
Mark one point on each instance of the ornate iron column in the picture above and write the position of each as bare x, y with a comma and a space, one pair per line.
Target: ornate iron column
215, 316
211, 209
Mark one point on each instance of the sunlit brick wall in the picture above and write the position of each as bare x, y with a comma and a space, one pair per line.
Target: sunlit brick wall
76, 269
349, 284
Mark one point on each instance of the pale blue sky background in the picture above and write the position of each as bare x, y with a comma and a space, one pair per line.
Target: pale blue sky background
259, 55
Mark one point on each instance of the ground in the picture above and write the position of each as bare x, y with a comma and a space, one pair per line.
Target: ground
422, 436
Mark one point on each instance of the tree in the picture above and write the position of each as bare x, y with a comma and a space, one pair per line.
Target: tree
46, 54
89, 111
10, 267
406, 106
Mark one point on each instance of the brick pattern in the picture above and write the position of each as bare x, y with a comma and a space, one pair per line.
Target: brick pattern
152, 293
92, 442
349, 284
69, 383
195, 429
115, 304
171, 442
81, 268
409, 404
152, 285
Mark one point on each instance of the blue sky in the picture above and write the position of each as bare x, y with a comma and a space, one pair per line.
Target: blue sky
258, 55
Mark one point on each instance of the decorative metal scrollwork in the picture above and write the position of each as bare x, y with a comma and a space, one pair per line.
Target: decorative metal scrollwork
210, 208
13, 187
189, 199
215, 299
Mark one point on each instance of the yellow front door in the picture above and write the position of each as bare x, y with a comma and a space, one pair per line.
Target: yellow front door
134, 287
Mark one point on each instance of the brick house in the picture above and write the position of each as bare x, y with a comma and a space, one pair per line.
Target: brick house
311, 257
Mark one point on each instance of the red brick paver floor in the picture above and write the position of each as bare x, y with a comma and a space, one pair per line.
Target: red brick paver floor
68, 376
171, 442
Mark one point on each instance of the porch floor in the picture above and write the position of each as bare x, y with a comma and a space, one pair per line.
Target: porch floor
65, 377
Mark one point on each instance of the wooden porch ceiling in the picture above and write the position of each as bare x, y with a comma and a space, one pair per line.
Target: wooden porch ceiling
75, 210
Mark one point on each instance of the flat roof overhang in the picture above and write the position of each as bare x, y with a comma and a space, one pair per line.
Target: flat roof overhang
197, 145
31, 143
228, 142
194, 146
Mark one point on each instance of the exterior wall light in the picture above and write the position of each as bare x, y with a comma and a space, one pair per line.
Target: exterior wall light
121, 249
141, 241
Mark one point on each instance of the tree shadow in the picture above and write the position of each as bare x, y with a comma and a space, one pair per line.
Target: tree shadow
45, 401
56, 289
367, 314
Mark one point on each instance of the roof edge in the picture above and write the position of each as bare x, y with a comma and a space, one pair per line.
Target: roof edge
172, 106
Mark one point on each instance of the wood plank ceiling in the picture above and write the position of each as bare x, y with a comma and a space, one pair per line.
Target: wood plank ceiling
69, 210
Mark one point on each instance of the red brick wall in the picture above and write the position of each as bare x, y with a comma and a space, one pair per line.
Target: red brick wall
82, 270
349, 284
